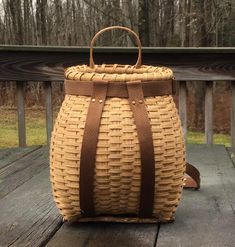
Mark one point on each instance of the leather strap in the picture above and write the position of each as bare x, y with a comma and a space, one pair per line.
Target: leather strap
193, 179
134, 89
136, 100
119, 89
89, 144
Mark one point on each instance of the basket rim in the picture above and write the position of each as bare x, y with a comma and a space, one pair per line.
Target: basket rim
119, 72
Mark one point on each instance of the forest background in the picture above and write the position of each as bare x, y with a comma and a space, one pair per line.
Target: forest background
159, 23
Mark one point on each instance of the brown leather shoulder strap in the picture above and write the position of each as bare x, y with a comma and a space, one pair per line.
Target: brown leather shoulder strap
193, 179
90, 140
88, 149
136, 100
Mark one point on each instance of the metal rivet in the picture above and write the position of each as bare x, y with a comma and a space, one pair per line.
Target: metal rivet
93, 100
133, 102
140, 101
100, 100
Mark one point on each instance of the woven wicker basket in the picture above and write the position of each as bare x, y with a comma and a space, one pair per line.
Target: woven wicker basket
118, 166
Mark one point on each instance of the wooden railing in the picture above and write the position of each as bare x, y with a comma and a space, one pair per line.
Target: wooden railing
25, 63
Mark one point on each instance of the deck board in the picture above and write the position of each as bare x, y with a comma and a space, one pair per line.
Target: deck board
205, 217
28, 213
23, 169
105, 235
9, 155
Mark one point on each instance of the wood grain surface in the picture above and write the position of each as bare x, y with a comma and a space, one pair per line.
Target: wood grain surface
28, 214
9, 155
18, 172
105, 235
48, 63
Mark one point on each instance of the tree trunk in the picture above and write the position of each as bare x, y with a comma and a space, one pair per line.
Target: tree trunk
126, 9
17, 21
143, 22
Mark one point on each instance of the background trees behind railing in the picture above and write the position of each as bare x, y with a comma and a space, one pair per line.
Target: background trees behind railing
159, 23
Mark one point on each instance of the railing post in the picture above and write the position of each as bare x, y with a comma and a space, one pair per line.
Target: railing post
21, 113
49, 110
233, 115
183, 106
209, 113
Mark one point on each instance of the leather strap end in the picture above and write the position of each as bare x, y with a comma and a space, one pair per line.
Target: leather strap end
173, 85
192, 177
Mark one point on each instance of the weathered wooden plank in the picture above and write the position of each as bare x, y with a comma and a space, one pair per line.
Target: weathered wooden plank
183, 106
21, 113
20, 171
49, 111
233, 115
205, 217
209, 113
28, 214
73, 49
105, 235
47, 64
9, 155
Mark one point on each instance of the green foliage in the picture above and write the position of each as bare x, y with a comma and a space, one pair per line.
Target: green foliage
35, 128
199, 138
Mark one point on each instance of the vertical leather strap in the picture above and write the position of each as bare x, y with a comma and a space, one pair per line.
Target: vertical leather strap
88, 149
136, 100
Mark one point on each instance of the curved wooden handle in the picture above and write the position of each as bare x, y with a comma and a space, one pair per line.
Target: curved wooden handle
138, 43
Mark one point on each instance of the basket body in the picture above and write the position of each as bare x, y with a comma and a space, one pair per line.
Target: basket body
117, 175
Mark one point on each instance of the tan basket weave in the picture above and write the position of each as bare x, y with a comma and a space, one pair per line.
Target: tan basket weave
118, 165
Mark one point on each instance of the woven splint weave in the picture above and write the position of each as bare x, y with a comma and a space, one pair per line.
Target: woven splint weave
117, 174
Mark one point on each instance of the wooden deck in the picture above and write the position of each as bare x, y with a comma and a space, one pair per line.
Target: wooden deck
30, 218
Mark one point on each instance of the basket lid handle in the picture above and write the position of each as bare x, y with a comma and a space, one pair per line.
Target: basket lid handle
138, 43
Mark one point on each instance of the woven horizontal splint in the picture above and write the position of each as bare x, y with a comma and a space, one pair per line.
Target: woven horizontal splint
117, 151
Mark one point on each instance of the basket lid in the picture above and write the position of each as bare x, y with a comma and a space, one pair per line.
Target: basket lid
117, 72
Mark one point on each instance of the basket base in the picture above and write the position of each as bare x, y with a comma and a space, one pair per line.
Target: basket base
118, 219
